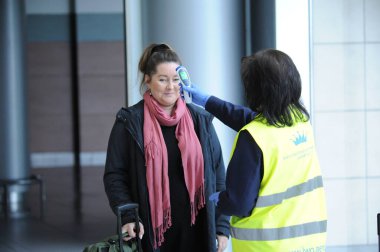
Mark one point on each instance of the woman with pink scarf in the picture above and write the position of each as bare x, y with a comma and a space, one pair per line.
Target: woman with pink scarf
164, 155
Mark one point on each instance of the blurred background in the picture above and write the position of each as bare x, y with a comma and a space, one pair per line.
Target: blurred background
67, 66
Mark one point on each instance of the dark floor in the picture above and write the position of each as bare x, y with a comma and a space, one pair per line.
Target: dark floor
67, 225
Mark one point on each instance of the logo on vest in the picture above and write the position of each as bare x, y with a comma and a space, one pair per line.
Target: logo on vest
299, 139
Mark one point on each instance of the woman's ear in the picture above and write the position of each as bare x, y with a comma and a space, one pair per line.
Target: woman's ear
147, 80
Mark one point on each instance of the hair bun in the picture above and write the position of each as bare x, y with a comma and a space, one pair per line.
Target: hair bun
160, 48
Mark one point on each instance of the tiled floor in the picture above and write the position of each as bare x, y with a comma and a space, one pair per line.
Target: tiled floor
66, 226
69, 227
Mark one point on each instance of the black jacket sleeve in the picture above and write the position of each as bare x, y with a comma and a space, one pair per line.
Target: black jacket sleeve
234, 116
222, 221
218, 161
116, 172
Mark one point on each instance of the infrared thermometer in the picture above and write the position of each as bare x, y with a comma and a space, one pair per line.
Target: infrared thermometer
185, 80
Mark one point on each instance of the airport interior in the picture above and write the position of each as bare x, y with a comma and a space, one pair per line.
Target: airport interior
68, 66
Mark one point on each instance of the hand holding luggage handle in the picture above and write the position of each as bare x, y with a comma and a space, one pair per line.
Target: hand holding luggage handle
120, 210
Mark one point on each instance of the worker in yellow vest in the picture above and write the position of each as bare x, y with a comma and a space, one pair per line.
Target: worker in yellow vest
274, 189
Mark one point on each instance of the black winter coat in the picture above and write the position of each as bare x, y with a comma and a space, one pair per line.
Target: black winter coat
125, 174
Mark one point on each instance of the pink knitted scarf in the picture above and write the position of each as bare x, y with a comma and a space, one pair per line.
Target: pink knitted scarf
156, 158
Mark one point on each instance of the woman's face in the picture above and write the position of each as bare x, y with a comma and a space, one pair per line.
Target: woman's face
164, 84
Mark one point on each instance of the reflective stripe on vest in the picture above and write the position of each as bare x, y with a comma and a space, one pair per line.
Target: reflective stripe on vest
271, 234
274, 199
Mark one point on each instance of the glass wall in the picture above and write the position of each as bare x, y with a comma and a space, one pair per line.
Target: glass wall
100, 60
345, 95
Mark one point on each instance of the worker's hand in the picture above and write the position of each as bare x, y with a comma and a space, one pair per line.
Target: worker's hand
214, 198
198, 97
222, 242
130, 228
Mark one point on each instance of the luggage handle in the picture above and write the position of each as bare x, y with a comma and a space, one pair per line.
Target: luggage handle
120, 209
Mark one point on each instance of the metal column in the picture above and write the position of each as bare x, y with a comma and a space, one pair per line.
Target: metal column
14, 160
263, 24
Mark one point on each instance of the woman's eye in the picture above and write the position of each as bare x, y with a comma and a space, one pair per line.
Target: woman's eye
163, 80
176, 80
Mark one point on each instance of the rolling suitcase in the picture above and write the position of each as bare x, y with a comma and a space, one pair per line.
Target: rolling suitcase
116, 243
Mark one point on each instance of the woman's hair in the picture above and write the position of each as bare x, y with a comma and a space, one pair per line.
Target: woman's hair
273, 87
154, 55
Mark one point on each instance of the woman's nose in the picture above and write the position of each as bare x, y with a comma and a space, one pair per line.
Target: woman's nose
171, 84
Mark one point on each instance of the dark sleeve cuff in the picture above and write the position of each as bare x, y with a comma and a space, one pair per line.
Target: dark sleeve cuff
222, 224
219, 233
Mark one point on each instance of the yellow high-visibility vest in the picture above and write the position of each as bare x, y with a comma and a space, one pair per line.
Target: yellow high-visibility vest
290, 213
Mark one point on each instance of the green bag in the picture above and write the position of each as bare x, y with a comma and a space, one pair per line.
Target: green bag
116, 243
111, 244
